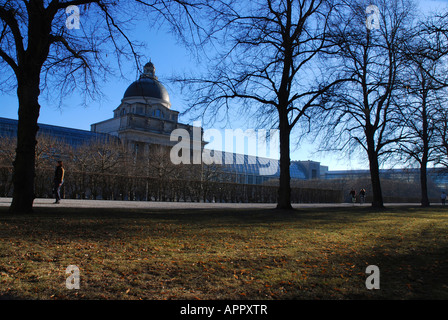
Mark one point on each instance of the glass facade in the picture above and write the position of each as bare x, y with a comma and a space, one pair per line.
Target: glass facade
73, 137
256, 170
245, 168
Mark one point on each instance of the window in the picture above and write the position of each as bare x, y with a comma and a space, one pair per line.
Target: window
157, 113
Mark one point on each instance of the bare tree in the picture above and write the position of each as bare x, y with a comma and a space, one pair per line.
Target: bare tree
158, 166
267, 50
48, 150
424, 94
363, 113
41, 46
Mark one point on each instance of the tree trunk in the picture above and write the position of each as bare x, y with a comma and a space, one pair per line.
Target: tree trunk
424, 161
423, 171
284, 191
30, 62
377, 201
24, 163
377, 193
424, 185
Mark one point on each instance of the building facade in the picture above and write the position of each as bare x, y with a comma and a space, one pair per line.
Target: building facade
144, 119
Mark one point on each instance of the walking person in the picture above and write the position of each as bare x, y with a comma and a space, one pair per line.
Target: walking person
443, 198
362, 196
353, 195
58, 181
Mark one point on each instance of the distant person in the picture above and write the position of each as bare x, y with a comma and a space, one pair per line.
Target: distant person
58, 181
353, 195
443, 198
362, 196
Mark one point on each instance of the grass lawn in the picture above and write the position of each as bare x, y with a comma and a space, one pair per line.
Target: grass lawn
225, 254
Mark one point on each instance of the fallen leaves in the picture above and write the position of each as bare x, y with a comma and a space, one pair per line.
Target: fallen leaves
155, 256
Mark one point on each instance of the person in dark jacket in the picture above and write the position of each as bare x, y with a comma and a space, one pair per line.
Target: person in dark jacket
58, 181
362, 196
353, 195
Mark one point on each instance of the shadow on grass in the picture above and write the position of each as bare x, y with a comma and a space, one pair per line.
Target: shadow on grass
86, 223
240, 214
409, 271
421, 274
9, 297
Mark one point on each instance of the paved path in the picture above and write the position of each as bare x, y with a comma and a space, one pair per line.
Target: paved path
69, 203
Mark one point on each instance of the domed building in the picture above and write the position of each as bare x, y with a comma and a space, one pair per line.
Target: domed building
144, 117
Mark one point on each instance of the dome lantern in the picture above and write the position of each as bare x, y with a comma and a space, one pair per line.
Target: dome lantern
149, 71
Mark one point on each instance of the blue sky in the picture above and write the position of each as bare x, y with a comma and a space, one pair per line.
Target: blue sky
169, 58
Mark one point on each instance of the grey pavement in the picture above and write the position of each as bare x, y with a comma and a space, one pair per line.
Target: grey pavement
70, 203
